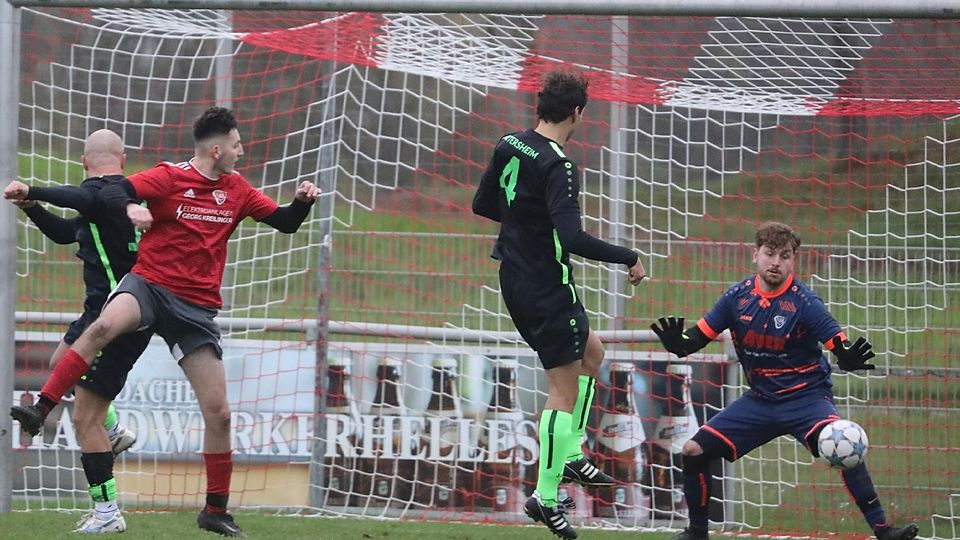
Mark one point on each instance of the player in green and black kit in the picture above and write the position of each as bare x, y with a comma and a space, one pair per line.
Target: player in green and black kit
108, 249
532, 189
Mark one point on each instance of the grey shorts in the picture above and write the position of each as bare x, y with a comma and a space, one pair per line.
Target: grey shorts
184, 326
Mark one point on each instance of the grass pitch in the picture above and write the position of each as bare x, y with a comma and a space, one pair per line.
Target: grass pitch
49, 525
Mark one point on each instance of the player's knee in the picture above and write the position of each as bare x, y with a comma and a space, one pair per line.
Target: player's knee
691, 448
85, 419
600, 352
101, 332
217, 417
593, 358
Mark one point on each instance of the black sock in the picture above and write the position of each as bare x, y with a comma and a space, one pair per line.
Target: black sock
97, 466
216, 503
860, 486
696, 489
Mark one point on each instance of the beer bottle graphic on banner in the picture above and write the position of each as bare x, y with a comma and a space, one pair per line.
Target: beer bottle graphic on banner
343, 419
437, 476
620, 448
500, 487
675, 426
391, 478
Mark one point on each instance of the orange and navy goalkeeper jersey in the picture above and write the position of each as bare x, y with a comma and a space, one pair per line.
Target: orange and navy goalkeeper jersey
777, 335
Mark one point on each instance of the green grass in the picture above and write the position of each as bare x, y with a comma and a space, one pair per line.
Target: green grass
182, 525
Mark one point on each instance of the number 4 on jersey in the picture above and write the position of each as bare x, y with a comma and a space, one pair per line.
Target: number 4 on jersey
508, 179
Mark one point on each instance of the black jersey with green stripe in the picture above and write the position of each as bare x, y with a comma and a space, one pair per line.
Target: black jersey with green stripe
108, 241
533, 189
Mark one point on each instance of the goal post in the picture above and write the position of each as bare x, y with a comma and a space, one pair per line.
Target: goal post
373, 370
9, 93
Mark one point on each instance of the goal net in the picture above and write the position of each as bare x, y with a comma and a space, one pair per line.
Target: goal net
372, 367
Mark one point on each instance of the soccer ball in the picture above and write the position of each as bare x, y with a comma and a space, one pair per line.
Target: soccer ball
843, 444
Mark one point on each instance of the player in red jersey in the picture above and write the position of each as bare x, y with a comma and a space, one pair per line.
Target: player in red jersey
174, 288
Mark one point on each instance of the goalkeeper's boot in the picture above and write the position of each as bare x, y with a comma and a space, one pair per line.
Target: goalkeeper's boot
222, 524
31, 417
551, 516
123, 440
95, 523
689, 534
584, 472
907, 532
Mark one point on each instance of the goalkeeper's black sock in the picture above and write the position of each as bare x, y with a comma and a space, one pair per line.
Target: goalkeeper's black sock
696, 489
860, 486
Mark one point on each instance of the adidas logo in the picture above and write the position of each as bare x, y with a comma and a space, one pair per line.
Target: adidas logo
189, 194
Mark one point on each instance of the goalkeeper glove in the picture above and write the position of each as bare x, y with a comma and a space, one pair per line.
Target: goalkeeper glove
853, 357
672, 336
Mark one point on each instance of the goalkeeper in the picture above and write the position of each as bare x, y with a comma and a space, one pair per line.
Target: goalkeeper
777, 325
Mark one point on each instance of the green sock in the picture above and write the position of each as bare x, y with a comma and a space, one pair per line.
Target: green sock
111, 421
581, 411
554, 441
104, 492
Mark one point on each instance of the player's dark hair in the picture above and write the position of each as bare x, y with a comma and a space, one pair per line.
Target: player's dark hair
213, 122
561, 94
777, 235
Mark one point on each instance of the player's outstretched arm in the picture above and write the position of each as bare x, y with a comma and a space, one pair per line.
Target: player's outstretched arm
577, 241
851, 357
561, 192
61, 230
677, 340
76, 197
287, 219
121, 196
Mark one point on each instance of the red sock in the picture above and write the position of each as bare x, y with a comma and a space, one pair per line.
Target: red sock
219, 470
66, 374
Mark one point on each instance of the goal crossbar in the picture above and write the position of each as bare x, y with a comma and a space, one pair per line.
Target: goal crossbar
932, 9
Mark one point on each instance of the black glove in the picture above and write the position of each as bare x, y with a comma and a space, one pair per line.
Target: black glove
671, 335
855, 356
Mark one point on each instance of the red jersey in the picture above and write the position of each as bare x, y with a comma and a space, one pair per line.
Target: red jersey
185, 249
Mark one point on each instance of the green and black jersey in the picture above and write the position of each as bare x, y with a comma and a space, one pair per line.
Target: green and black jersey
108, 241
533, 189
